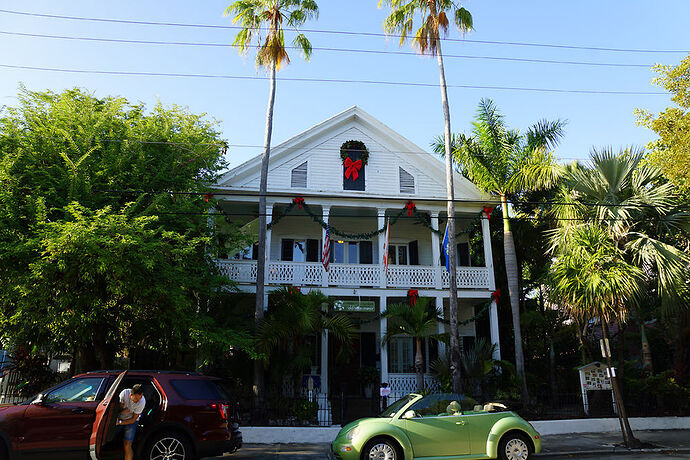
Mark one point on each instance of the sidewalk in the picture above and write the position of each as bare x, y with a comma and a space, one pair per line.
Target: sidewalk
607, 443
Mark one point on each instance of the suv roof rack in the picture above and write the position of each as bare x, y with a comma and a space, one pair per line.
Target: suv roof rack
149, 371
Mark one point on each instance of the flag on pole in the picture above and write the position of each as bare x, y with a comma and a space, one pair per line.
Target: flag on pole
445, 247
326, 248
385, 248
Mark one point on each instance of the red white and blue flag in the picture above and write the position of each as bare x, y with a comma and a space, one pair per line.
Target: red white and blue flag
326, 248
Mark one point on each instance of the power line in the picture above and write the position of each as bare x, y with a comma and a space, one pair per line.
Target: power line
341, 32
345, 50
328, 80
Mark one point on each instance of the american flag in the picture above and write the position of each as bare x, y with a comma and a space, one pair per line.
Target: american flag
326, 248
385, 248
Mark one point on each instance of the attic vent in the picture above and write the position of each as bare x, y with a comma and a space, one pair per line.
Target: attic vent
406, 181
299, 176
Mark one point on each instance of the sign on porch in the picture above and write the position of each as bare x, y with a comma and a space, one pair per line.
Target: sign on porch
367, 306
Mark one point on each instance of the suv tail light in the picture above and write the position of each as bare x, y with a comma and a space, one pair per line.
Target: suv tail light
223, 410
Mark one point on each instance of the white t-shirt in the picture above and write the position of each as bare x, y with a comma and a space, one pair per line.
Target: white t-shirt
131, 408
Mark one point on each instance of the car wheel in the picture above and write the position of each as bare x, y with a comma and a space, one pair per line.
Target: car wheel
381, 449
4, 455
514, 446
168, 445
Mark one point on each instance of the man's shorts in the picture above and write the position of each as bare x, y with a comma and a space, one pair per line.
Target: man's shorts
129, 431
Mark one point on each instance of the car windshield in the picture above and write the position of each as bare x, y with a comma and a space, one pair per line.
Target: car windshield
396, 406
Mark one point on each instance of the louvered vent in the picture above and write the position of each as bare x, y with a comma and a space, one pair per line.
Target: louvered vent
299, 176
406, 182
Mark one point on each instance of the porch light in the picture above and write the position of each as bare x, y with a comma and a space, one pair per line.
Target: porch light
340, 241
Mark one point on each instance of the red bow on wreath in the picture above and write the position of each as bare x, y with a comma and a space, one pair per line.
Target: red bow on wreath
413, 294
352, 167
488, 210
410, 208
496, 295
208, 196
299, 201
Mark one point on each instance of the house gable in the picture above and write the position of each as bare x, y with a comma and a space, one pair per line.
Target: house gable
319, 147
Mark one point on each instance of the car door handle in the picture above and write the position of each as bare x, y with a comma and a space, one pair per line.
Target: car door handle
461, 422
79, 410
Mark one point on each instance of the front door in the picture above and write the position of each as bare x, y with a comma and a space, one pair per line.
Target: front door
61, 420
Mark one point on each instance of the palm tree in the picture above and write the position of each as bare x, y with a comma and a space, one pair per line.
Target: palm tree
263, 20
507, 163
419, 321
641, 212
427, 39
282, 334
592, 275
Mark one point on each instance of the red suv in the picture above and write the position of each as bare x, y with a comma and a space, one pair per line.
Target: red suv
187, 415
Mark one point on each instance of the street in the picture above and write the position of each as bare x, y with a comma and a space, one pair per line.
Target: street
319, 451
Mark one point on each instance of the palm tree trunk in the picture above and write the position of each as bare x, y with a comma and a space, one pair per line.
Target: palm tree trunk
646, 350
419, 364
512, 276
261, 257
628, 438
451, 255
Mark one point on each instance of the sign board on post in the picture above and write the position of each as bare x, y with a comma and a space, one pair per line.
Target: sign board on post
594, 376
366, 306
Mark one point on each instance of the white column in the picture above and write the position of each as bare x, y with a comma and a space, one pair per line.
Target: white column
267, 280
493, 309
384, 348
324, 273
324, 362
441, 326
436, 251
381, 212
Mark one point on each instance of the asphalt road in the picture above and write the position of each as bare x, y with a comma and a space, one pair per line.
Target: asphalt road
318, 451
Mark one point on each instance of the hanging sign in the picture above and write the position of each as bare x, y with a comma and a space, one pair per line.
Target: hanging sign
366, 306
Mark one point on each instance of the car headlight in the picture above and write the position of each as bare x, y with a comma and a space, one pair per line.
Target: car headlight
352, 433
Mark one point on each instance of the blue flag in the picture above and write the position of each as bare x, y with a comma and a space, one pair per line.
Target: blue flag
445, 248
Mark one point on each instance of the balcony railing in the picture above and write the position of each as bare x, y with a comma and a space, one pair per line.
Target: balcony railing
313, 274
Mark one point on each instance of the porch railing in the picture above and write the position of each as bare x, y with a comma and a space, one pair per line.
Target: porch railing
404, 384
354, 275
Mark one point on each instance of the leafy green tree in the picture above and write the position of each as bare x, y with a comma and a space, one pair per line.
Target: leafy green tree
419, 321
70, 164
433, 15
671, 151
591, 273
262, 20
507, 163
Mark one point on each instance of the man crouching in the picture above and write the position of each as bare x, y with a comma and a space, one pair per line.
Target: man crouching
132, 403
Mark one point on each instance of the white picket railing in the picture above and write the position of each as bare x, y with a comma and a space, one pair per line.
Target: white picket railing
404, 384
353, 275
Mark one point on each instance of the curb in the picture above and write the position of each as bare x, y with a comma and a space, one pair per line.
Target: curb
614, 451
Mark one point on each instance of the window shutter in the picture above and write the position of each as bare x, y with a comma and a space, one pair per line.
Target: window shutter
365, 252
414, 253
406, 181
286, 249
299, 176
255, 251
312, 250
463, 254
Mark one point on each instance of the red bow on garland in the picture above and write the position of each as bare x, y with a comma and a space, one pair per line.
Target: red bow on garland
353, 168
488, 210
410, 208
294, 290
496, 295
413, 294
299, 201
208, 196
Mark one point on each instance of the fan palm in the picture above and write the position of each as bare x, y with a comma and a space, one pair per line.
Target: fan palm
591, 274
427, 39
506, 163
419, 321
262, 22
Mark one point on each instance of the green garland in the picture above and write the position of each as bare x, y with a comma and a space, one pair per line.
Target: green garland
476, 316
356, 146
420, 217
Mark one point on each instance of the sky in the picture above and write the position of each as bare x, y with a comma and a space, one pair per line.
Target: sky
239, 105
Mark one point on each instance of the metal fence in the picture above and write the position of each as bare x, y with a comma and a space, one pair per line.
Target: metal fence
9, 394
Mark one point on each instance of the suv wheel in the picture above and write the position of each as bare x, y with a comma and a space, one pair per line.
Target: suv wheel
168, 445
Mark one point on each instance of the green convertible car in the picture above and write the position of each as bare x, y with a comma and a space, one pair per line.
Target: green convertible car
439, 426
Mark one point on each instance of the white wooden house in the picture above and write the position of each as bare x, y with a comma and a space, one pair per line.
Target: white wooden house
309, 166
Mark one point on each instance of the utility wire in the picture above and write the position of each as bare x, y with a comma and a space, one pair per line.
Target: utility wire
327, 80
341, 32
344, 50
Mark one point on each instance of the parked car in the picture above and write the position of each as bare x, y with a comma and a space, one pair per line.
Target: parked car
440, 425
187, 415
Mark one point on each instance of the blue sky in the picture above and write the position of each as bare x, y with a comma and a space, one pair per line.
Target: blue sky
415, 112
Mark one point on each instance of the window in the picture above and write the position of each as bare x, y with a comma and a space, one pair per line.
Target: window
299, 250
80, 390
404, 254
406, 181
248, 253
462, 255
352, 252
199, 389
299, 176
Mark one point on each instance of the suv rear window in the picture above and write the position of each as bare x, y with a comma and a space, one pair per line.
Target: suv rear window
199, 389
